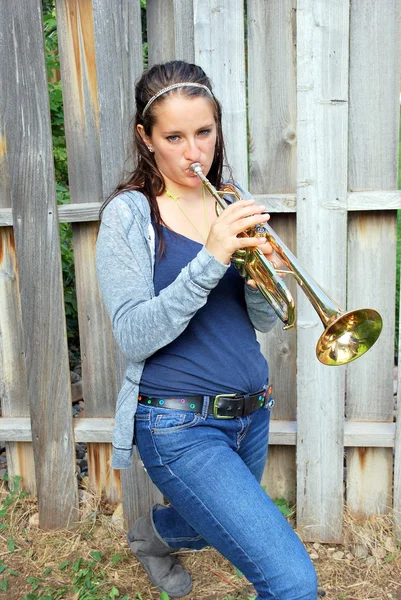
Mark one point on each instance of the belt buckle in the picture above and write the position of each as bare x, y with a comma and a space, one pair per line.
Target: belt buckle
215, 407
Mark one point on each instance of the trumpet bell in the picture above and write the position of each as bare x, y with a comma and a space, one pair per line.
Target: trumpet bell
348, 336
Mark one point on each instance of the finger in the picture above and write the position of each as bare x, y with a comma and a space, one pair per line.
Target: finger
251, 283
267, 249
248, 222
243, 208
247, 242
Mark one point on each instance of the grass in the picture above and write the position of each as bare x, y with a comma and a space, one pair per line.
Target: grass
91, 560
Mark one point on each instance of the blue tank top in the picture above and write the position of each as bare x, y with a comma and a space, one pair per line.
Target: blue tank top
218, 351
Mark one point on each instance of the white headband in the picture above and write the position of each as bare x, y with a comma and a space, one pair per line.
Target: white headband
173, 87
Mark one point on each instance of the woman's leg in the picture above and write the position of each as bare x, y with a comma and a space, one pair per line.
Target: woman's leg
195, 462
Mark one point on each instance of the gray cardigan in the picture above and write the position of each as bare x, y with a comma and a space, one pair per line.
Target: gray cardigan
142, 322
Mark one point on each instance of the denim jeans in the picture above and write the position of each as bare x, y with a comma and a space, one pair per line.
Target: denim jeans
210, 470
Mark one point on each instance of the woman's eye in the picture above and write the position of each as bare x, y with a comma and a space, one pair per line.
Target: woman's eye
173, 138
204, 132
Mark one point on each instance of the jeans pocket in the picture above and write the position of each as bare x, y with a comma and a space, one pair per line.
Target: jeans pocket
164, 421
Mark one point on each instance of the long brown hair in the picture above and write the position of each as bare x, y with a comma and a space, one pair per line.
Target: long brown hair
146, 176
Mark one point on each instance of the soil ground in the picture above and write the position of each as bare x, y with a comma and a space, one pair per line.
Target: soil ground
93, 557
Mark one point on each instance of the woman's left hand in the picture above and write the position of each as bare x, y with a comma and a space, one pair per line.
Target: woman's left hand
271, 256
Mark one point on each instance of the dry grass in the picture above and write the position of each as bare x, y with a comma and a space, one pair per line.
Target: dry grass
35, 556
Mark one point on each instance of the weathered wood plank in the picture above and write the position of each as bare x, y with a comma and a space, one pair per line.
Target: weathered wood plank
143, 492
271, 52
397, 457
272, 95
184, 30
13, 381
32, 192
369, 481
116, 86
322, 71
160, 28
282, 433
99, 50
373, 161
219, 50
275, 203
82, 125
374, 200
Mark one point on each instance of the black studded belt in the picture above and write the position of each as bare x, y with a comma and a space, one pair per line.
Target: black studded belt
222, 406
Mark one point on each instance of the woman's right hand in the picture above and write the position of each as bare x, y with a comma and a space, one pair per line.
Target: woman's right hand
239, 216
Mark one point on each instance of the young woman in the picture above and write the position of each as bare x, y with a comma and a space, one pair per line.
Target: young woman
196, 395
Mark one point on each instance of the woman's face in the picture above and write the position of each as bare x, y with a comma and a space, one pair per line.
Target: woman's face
184, 132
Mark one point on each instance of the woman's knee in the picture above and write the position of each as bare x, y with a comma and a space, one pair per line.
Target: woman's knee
304, 585
297, 581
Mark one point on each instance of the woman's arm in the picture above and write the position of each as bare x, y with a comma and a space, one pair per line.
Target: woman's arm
142, 323
261, 314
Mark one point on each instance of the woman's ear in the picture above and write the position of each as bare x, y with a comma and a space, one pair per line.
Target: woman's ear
145, 138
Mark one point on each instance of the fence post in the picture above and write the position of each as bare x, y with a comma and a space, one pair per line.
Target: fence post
219, 49
322, 126
373, 161
160, 28
32, 192
272, 134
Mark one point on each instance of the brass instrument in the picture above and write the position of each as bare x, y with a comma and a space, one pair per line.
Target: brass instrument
346, 335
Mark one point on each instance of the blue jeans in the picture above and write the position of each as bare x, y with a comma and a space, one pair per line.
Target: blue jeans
210, 470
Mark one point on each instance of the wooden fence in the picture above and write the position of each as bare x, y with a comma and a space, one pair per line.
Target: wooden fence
311, 116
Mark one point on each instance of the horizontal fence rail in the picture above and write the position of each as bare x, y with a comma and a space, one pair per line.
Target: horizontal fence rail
282, 433
275, 203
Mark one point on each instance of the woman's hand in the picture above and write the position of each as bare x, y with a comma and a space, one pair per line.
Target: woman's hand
222, 240
272, 257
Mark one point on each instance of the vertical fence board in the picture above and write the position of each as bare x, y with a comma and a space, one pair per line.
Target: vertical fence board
184, 30
160, 27
322, 68
32, 191
116, 87
374, 119
118, 39
397, 456
219, 50
82, 126
272, 96
106, 45
272, 121
13, 382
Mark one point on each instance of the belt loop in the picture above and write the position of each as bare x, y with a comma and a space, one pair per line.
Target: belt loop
205, 407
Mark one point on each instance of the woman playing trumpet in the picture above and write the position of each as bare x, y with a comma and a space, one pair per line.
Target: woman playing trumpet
196, 394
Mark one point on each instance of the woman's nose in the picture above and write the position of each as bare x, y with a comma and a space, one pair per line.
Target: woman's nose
192, 152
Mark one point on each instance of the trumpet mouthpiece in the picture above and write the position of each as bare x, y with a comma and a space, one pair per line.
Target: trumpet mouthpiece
195, 168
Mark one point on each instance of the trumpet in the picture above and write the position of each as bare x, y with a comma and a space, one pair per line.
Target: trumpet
347, 335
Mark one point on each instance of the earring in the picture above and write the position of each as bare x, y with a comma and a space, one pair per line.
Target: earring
150, 148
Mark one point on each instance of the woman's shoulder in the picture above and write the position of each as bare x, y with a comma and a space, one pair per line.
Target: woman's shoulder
127, 206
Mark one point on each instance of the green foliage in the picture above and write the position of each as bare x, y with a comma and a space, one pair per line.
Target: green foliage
283, 506
88, 582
